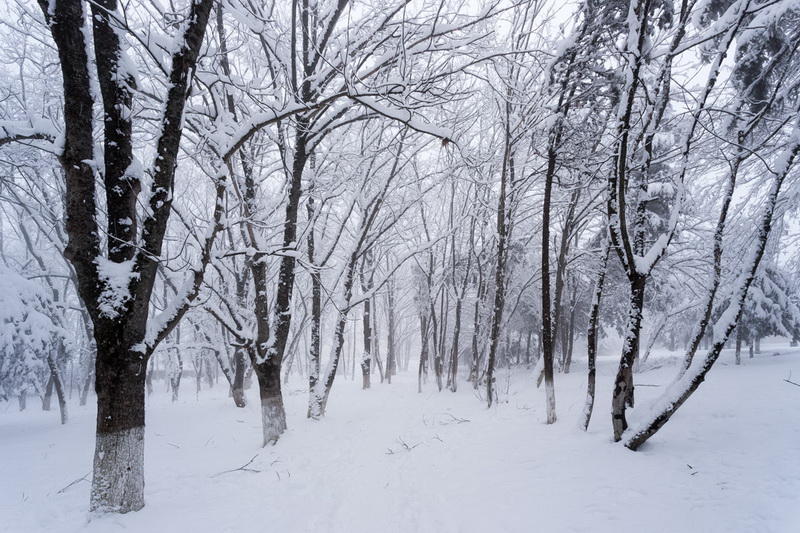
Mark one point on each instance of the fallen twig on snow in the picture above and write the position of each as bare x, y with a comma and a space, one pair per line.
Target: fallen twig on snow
73, 483
404, 444
456, 419
243, 468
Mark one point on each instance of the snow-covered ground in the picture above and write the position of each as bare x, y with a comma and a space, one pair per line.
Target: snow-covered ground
390, 459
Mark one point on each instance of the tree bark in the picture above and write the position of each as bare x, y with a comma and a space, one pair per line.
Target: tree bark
237, 386
591, 337
366, 327
391, 357
118, 482
423, 352
738, 352
623, 382
500, 266
547, 327
48, 394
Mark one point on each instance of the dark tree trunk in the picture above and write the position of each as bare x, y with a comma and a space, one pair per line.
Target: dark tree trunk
237, 386
738, 353
452, 377
623, 383
423, 353
528, 347
316, 302
376, 345
547, 326
58, 382
591, 338
570, 336
118, 483
48, 394
89, 365
366, 356
273, 414
500, 266
391, 357
270, 355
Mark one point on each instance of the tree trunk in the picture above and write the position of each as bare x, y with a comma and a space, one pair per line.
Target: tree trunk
118, 481
237, 387
198, 376
570, 337
423, 353
149, 377
273, 415
176, 372
48, 394
500, 266
376, 345
391, 357
528, 347
87, 382
366, 356
452, 377
591, 338
739, 346
22, 399
547, 327
58, 384
623, 383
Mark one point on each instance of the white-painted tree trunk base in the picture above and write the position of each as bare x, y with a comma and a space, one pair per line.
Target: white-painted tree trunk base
316, 404
273, 419
118, 480
550, 394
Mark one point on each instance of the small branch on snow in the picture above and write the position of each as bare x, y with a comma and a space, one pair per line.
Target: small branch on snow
456, 419
62, 491
789, 380
406, 446
243, 468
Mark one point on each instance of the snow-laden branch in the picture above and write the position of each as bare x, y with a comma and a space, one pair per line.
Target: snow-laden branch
33, 130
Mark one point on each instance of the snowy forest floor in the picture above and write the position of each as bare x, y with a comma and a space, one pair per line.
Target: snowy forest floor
391, 459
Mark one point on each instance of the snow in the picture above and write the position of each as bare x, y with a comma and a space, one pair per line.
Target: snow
116, 279
390, 460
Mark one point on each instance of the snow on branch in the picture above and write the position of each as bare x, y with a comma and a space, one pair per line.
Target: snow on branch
33, 130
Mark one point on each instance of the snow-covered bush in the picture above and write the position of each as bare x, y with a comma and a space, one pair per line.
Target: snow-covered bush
27, 334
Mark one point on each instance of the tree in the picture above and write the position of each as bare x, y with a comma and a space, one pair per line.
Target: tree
116, 286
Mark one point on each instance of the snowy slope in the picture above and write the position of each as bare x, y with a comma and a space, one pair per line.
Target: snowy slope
728, 462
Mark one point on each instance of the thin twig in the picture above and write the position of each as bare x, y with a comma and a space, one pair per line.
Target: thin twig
242, 468
73, 483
